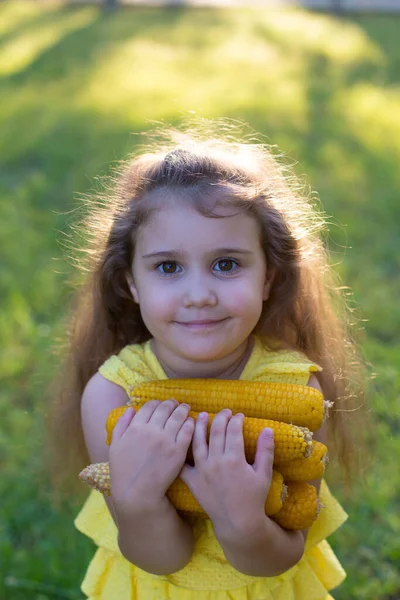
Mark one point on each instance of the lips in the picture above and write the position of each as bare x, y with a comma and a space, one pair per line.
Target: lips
205, 322
201, 323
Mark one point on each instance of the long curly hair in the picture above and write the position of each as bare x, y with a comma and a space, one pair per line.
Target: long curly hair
307, 309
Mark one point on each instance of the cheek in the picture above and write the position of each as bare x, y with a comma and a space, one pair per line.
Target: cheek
244, 299
157, 304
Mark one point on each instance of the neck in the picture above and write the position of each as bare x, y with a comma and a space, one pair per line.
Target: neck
229, 367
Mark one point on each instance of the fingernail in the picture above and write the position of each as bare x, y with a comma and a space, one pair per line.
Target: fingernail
268, 433
202, 415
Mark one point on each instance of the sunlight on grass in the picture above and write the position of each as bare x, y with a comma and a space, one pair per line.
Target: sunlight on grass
340, 41
23, 49
273, 75
16, 14
173, 77
372, 114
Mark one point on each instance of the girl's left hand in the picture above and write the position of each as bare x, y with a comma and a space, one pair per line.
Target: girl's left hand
231, 491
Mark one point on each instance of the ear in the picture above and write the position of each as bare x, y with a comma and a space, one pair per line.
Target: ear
269, 279
132, 287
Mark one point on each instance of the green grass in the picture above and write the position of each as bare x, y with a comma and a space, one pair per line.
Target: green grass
75, 83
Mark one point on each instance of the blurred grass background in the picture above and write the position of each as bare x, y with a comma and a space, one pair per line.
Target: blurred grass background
74, 83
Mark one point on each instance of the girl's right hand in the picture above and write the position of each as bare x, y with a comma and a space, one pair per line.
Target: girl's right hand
147, 452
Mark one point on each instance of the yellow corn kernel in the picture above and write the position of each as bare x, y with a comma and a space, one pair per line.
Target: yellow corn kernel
97, 476
300, 508
290, 441
276, 495
287, 402
112, 419
306, 469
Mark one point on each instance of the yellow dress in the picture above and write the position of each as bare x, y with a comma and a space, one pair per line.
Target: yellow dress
209, 576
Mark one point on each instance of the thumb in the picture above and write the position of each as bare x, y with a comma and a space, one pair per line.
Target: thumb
122, 424
265, 452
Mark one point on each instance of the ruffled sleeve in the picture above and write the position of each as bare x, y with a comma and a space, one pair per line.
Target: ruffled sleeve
331, 517
95, 521
278, 366
134, 364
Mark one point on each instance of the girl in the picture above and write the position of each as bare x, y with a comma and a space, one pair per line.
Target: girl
204, 261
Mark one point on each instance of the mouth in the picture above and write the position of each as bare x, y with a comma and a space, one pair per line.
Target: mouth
200, 324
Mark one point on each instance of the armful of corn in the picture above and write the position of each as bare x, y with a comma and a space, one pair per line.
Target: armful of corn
292, 411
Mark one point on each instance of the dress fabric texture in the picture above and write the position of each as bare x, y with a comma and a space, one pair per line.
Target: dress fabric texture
209, 576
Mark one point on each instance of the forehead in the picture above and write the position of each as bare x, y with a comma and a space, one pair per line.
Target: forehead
180, 226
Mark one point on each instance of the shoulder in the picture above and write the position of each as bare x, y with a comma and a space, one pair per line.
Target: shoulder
99, 391
133, 363
270, 362
273, 352
100, 396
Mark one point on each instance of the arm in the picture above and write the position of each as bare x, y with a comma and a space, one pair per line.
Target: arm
157, 540
154, 538
262, 548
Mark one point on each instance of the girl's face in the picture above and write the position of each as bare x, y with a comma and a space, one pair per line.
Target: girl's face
200, 283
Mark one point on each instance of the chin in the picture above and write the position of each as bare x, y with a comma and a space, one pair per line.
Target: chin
204, 352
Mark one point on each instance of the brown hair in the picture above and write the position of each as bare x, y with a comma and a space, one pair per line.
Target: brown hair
306, 310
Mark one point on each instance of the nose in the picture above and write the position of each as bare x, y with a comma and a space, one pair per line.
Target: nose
199, 293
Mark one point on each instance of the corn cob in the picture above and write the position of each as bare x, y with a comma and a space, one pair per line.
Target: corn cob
276, 495
306, 469
182, 498
112, 419
287, 402
290, 441
300, 508
97, 476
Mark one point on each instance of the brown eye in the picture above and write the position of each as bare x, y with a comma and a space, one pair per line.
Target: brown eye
227, 265
168, 268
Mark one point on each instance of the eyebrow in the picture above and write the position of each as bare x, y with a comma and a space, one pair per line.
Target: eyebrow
176, 254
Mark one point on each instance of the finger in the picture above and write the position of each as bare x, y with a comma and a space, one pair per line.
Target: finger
264, 458
185, 434
122, 424
187, 475
145, 412
234, 442
177, 419
199, 441
162, 413
218, 432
